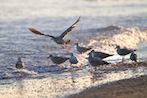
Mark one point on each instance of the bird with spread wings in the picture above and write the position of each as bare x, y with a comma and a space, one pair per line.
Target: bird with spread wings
58, 39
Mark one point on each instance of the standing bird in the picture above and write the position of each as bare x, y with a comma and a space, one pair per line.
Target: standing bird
123, 51
57, 59
58, 39
95, 62
100, 55
81, 49
19, 64
73, 59
133, 56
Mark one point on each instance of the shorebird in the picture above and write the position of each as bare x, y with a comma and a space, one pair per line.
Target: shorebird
96, 62
57, 59
58, 39
123, 51
133, 56
81, 49
19, 64
73, 59
100, 55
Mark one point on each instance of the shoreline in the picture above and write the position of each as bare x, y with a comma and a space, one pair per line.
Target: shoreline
117, 89
127, 88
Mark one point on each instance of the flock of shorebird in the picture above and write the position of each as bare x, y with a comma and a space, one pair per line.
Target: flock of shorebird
95, 57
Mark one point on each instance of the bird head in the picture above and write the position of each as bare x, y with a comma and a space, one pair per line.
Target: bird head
117, 47
49, 56
19, 58
71, 54
76, 44
132, 51
92, 51
51, 38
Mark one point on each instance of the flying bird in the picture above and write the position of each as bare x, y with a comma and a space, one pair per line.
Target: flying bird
58, 39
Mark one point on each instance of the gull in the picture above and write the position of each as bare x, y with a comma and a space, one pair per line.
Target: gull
123, 51
95, 62
100, 55
81, 49
19, 64
58, 39
133, 56
73, 59
57, 59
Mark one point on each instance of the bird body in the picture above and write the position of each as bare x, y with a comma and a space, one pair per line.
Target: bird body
73, 59
19, 64
58, 39
57, 59
100, 55
133, 56
81, 49
123, 51
96, 62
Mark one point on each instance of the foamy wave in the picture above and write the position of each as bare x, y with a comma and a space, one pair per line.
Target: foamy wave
127, 37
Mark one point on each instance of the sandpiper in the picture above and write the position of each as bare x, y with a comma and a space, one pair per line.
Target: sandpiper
73, 59
82, 49
100, 55
19, 64
133, 56
58, 39
123, 51
57, 59
96, 62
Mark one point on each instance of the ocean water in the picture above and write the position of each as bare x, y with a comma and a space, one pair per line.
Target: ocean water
103, 24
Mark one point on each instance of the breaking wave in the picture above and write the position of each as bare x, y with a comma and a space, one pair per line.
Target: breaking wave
117, 35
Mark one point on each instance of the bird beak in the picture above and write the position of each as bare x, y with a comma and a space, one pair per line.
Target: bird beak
89, 53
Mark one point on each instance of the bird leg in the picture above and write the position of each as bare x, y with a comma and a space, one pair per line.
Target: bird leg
123, 59
95, 68
63, 46
71, 65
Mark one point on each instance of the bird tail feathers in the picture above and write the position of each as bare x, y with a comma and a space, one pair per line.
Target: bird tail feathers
67, 42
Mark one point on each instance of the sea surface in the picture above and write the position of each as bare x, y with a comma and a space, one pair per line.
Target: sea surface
103, 25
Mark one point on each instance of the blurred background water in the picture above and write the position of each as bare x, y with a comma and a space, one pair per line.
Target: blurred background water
53, 17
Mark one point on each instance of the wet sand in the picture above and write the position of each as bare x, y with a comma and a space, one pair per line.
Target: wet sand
59, 85
129, 88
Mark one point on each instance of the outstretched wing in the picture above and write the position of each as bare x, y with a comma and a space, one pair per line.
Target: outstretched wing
70, 28
39, 33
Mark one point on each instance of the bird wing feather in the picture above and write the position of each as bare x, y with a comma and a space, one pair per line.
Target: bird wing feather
70, 28
39, 33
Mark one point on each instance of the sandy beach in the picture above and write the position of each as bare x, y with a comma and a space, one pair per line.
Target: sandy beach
129, 88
